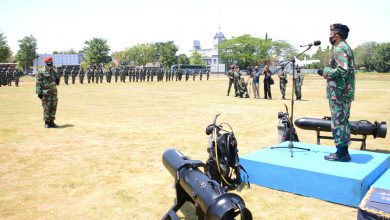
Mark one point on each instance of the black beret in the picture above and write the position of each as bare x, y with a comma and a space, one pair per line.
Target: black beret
339, 28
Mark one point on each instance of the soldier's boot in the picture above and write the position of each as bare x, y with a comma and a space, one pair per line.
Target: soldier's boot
47, 124
341, 155
52, 124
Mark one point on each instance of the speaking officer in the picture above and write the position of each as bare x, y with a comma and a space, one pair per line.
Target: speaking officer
340, 77
46, 88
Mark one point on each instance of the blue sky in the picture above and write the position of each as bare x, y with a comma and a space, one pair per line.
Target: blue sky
62, 25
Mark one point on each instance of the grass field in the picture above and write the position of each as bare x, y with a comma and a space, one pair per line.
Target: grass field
104, 162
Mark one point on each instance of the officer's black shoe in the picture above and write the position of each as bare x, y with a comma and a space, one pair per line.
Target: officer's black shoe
47, 124
336, 157
52, 124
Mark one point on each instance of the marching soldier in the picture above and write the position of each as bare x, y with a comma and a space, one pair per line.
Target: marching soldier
207, 74
200, 74
283, 82
46, 89
116, 74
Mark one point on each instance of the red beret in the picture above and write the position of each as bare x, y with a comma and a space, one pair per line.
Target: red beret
48, 59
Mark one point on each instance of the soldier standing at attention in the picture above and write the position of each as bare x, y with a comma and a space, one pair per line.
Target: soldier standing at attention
92, 74
340, 90
298, 83
46, 88
89, 75
17, 75
283, 82
193, 75
66, 74
81, 75
230, 75
96, 75
109, 75
200, 74
60, 72
101, 74
9, 76
116, 74
207, 74
74, 74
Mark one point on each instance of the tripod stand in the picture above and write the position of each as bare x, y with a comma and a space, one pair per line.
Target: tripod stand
292, 128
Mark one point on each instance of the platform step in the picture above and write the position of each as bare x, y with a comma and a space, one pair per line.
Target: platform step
308, 174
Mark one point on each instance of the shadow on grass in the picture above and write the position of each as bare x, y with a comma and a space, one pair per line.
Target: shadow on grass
65, 126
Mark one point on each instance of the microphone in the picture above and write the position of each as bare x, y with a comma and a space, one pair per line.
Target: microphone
316, 43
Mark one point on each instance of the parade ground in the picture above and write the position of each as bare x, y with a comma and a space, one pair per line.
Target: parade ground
105, 159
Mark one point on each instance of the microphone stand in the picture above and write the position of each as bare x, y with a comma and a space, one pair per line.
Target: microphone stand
292, 128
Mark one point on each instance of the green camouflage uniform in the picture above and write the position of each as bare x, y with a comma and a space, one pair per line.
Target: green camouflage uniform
283, 83
231, 81
96, 75
89, 75
340, 76
298, 84
237, 77
66, 75
9, 77
109, 75
101, 74
81, 75
73, 73
47, 87
16, 74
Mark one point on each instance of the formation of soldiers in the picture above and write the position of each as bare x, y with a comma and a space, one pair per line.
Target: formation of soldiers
240, 85
128, 74
9, 74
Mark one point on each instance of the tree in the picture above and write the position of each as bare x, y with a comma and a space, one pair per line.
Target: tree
27, 52
247, 51
364, 55
96, 52
166, 53
323, 56
196, 59
70, 51
5, 51
140, 54
183, 59
381, 58
282, 50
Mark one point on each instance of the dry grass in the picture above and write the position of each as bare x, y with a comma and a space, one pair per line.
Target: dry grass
105, 161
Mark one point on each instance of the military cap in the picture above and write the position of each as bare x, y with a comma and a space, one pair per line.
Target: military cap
339, 28
48, 59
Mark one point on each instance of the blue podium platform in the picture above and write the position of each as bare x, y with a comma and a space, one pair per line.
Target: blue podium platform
383, 182
308, 174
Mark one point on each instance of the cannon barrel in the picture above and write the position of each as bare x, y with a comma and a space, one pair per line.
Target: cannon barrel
377, 129
204, 192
